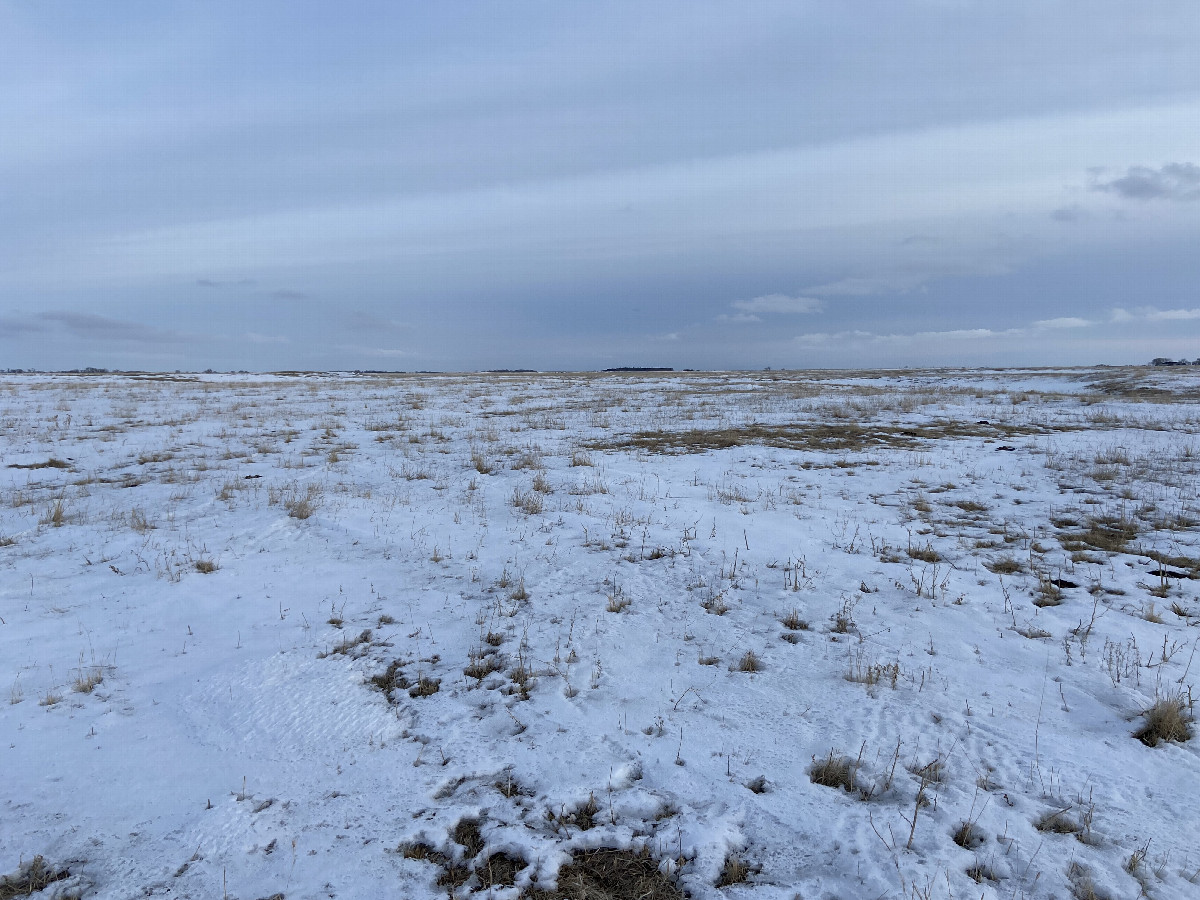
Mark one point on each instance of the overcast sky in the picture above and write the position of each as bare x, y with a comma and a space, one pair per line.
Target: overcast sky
553, 185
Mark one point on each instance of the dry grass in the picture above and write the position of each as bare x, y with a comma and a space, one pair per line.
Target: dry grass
348, 645
842, 437
51, 463
833, 771
735, 871
1110, 534
481, 463
979, 872
1005, 565
1082, 886
1048, 593
529, 502
56, 515
300, 509
138, 521
605, 874
206, 566
617, 603
749, 662
499, 870
924, 554
1169, 719
468, 836
715, 604
87, 680
391, 679
792, 621
967, 836
425, 687
32, 877
874, 673
1058, 822
480, 666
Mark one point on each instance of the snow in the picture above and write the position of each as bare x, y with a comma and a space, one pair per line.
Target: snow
236, 745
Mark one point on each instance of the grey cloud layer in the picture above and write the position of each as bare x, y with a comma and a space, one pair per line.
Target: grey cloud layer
1174, 181
582, 178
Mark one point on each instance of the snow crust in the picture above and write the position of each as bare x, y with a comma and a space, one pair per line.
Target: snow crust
572, 537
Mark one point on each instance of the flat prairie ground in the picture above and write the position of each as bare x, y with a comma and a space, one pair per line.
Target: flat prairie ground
923, 634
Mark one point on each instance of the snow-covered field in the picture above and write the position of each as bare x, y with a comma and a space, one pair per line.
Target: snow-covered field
412, 636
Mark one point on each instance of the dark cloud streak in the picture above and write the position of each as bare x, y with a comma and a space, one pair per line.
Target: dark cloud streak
12, 326
94, 327
1179, 182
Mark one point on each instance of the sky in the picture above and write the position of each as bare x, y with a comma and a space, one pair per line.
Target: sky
550, 185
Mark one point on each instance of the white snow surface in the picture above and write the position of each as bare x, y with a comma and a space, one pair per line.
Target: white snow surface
662, 526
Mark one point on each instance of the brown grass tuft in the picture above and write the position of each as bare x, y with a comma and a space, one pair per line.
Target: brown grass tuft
735, 871
833, 771
749, 662
87, 680
1058, 822
1169, 719
30, 878
1005, 565
792, 621
499, 870
51, 463
605, 874
468, 836
425, 687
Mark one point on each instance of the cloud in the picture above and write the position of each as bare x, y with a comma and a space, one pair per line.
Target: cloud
779, 303
11, 327
212, 283
1171, 315
957, 334
93, 327
1153, 314
816, 337
376, 352
255, 338
288, 294
1063, 322
738, 318
857, 336
867, 286
1174, 181
363, 321
1072, 213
